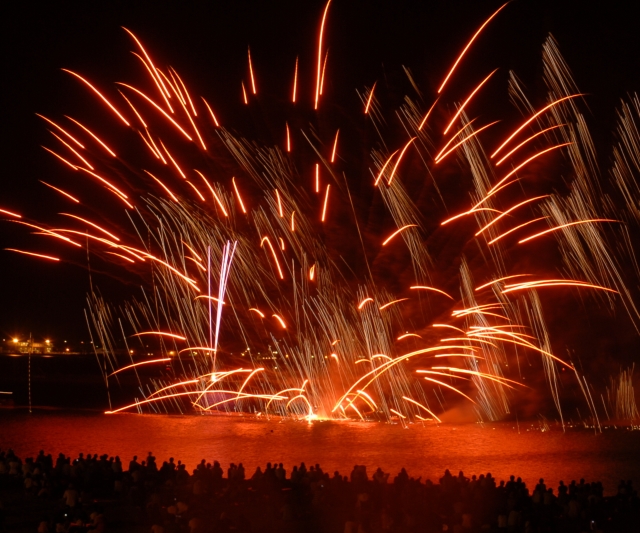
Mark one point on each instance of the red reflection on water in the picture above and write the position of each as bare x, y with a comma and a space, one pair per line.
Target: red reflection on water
423, 450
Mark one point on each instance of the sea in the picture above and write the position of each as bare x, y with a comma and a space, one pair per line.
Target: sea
531, 451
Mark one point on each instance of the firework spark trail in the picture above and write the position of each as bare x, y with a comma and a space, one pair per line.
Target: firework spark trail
227, 258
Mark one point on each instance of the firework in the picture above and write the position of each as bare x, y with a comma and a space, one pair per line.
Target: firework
277, 284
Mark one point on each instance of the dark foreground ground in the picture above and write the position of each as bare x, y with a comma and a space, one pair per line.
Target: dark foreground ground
92, 493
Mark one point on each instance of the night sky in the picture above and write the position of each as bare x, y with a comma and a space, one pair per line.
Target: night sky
207, 43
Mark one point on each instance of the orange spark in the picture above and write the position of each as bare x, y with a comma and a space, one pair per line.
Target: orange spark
215, 120
152, 146
324, 68
460, 354
427, 288
196, 190
553, 283
167, 265
326, 202
235, 187
253, 80
154, 72
47, 233
449, 386
312, 272
158, 108
468, 46
397, 232
516, 228
535, 156
532, 118
192, 251
87, 235
366, 107
335, 147
470, 212
317, 177
33, 254
213, 192
159, 398
184, 88
181, 384
135, 111
286, 124
212, 298
441, 156
280, 211
155, 77
173, 196
174, 85
319, 67
138, 364
293, 225
423, 407
373, 404
481, 341
393, 172
461, 108
62, 130
255, 310
200, 348
511, 209
273, 252
92, 224
162, 334
198, 263
375, 183
446, 326
566, 226
193, 124
73, 150
295, 82
121, 256
244, 94
97, 139
424, 120
485, 313
10, 213
408, 335
492, 377
527, 140
391, 303
61, 158
454, 137
106, 182
279, 319
462, 312
493, 282
361, 304
99, 94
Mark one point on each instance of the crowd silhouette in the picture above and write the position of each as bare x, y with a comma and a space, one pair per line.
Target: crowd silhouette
97, 494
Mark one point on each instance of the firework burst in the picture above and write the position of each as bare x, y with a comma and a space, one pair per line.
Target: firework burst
291, 279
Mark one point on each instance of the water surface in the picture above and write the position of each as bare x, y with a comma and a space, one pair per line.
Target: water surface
426, 451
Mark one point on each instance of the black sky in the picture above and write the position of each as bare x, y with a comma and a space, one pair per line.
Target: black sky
207, 41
